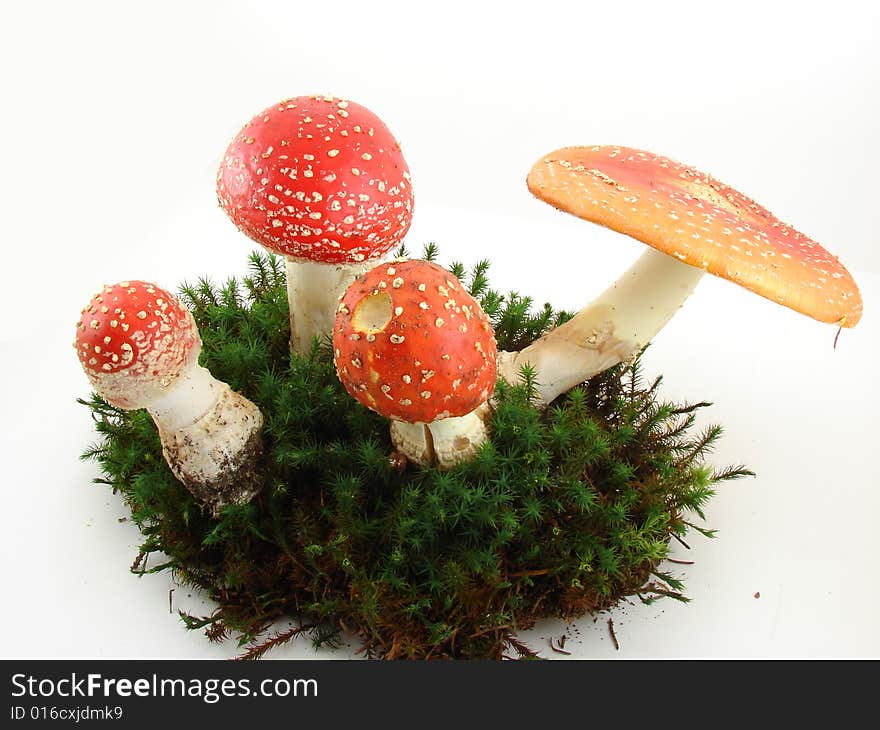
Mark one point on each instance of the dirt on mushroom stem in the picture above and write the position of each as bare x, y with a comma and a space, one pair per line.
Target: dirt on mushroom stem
216, 455
240, 476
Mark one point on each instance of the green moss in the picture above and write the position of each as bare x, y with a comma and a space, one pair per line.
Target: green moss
564, 512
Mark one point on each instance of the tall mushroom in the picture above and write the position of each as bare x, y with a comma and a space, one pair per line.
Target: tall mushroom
413, 345
139, 347
694, 224
322, 182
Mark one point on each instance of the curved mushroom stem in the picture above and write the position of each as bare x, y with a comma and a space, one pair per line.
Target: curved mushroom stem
313, 290
609, 330
444, 443
210, 437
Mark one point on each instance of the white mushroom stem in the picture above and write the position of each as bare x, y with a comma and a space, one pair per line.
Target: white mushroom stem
442, 443
210, 437
609, 330
313, 291
187, 399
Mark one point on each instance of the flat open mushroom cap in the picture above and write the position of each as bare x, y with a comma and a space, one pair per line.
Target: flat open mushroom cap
702, 222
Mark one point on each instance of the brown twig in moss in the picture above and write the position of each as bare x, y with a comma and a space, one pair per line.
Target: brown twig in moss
257, 650
613, 634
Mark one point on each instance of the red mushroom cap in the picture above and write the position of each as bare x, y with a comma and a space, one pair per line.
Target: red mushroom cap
133, 339
317, 178
412, 344
702, 222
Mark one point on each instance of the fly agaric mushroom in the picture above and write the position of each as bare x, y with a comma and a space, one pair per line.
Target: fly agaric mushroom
413, 345
322, 182
693, 224
139, 347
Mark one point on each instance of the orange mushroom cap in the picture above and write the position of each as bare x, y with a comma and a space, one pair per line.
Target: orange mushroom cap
412, 344
700, 221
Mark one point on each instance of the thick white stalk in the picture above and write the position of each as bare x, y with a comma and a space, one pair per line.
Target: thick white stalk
442, 443
210, 437
313, 291
609, 330
189, 397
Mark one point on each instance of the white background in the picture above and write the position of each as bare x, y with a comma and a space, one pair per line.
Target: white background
114, 119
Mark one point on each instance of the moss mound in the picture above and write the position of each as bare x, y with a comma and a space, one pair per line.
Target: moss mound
565, 512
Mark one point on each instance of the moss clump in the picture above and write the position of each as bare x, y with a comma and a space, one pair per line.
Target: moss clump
564, 512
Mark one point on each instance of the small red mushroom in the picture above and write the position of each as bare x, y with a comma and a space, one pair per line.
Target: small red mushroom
321, 181
139, 347
413, 345
133, 340
693, 224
